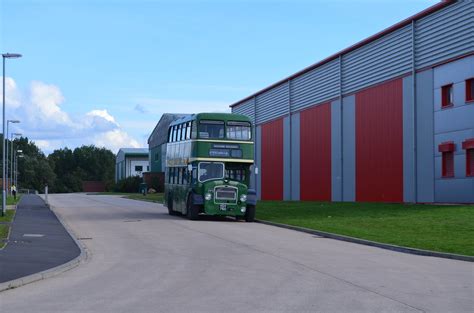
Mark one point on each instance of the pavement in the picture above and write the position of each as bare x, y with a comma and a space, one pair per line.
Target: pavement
38, 241
140, 259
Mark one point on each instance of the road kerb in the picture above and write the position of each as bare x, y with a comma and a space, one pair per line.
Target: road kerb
81, 258
396, 248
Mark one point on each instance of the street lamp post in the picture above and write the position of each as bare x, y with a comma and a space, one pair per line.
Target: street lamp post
4, 196
15, 167
19, 155
6, 151
11, 159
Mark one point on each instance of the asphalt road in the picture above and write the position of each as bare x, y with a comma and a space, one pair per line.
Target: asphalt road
142, 260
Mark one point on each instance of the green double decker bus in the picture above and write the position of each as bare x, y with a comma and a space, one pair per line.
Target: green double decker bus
209, 159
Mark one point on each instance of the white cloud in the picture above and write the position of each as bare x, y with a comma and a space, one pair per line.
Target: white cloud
100, 120
46, 100
141, 109
115, 139
43, 144
12, 94
50, 127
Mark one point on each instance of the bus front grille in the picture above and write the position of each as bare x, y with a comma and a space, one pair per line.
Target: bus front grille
226, 193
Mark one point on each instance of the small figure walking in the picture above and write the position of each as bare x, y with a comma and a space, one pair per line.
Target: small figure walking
14, 191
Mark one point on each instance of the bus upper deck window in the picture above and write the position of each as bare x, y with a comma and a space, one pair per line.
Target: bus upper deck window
238, 130
211, 129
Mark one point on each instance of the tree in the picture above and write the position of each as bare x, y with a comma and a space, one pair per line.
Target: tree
82, 164
34, 170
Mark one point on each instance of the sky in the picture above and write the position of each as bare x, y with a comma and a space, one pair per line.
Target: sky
103, 71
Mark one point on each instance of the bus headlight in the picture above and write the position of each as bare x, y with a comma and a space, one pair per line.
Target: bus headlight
243, 198
208, 196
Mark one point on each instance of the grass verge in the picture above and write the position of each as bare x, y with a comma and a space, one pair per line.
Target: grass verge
12, 201
4, 228
444, 228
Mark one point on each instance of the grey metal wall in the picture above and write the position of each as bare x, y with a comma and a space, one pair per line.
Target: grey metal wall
455, 124
246, 108
295, 156
385, 58
286, 158
336, 149
424, 136
409, 156
273, 103
445, 34
349, 149
315, 86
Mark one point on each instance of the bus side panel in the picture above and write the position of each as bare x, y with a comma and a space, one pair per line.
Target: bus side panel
272, 160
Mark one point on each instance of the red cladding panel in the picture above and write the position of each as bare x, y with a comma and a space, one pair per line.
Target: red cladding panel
448, 164
379, 143
315, 153
470, 162
446, 146
272, 160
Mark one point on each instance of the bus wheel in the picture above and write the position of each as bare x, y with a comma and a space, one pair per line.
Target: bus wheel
250, 213
170, 206
192, 210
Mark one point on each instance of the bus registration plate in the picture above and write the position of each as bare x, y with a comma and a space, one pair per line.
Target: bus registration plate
223, 207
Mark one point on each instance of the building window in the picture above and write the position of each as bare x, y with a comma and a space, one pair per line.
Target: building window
447, 155
468, 145
138, 168
447, 96
470, 90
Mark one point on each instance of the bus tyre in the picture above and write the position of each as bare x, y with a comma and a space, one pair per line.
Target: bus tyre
192, 210
170, 206
250, 213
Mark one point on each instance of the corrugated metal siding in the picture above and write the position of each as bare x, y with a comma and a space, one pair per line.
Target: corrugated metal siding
315, 156
445, 34
316, 86
273, 103
246, 108
272, 160
383, 59
379, 143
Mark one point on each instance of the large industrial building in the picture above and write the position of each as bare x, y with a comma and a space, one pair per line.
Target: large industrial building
390, 119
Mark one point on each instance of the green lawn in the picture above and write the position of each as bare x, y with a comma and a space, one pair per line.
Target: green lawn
108, 193
151, 197
442, 228
5, 227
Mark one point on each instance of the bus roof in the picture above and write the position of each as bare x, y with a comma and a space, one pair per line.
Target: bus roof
213, 116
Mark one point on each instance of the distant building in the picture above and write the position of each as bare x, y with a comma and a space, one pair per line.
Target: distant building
131, 162
157, 142
157, 149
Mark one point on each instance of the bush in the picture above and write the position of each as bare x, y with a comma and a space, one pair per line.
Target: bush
155, 184
129, 184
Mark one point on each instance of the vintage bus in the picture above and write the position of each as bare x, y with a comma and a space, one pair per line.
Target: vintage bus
209, 159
